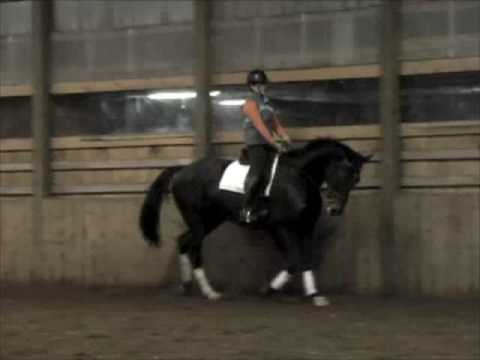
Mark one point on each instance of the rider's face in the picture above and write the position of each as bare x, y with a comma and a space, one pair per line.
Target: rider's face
259, 88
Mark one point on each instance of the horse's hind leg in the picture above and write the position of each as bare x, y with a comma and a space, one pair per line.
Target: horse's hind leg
184, 244
196, 255
199, 228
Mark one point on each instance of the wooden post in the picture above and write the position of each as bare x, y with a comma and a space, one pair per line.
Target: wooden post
202, 77
41, 22
41, 18
390, 118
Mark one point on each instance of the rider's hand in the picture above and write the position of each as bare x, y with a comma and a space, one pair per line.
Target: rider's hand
281, 147
286, 139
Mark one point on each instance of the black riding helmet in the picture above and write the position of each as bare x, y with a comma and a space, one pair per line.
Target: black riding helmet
256, 77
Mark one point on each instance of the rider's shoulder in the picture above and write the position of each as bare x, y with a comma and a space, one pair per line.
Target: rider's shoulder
251, 102
257, 98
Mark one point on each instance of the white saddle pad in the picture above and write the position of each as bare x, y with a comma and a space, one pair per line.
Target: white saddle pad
233, 179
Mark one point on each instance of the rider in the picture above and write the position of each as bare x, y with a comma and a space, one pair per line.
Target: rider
260, 126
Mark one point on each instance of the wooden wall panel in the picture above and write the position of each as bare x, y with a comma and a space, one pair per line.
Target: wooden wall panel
130, 153
15, 156
439, 169
430, 151
105, 177
451, 142
15, 179
92, 154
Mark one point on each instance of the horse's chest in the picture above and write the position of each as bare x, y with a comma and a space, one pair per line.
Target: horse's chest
290, 200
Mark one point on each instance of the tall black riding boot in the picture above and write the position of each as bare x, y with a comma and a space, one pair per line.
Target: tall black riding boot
251, 212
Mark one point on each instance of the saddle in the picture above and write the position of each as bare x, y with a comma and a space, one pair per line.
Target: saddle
234, 176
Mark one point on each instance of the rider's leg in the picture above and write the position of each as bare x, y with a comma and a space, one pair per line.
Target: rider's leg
251, 191
259, 162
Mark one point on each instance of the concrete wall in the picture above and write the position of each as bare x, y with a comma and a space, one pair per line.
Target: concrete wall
438, 243
106, 40
95, 241
87, 241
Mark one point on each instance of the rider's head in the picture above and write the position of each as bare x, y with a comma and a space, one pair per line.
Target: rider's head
257, 81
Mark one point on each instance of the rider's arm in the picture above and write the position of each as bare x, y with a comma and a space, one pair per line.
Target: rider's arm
280, 130
250, 108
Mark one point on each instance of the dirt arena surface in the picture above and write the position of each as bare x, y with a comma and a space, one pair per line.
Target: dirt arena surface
65, 323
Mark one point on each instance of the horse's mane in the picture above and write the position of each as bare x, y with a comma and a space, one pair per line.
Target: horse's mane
327, 145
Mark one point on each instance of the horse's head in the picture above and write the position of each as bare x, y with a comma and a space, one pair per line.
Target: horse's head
341, 175
331, 163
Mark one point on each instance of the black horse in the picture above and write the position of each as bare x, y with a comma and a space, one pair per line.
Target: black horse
294, 204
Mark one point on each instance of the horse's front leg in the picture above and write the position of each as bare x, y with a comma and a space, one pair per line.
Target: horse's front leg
308, 276
287, 242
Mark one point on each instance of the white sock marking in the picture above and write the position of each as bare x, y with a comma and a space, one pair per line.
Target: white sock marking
280, 280
309, 283
185, 268
205, 286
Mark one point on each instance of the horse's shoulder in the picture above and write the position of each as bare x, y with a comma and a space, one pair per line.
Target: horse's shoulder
289, 171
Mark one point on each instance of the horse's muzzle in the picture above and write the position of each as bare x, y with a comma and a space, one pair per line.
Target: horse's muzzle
334, 203
333, 211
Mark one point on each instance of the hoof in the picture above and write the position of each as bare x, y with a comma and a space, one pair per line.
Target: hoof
320, 301
187, 289
267, 291
214, 296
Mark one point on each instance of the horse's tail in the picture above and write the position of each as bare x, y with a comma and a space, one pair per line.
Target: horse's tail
150, 213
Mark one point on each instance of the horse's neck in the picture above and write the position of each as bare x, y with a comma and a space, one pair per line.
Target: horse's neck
312, 162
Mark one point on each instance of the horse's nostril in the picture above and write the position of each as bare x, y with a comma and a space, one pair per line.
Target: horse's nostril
333, 211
